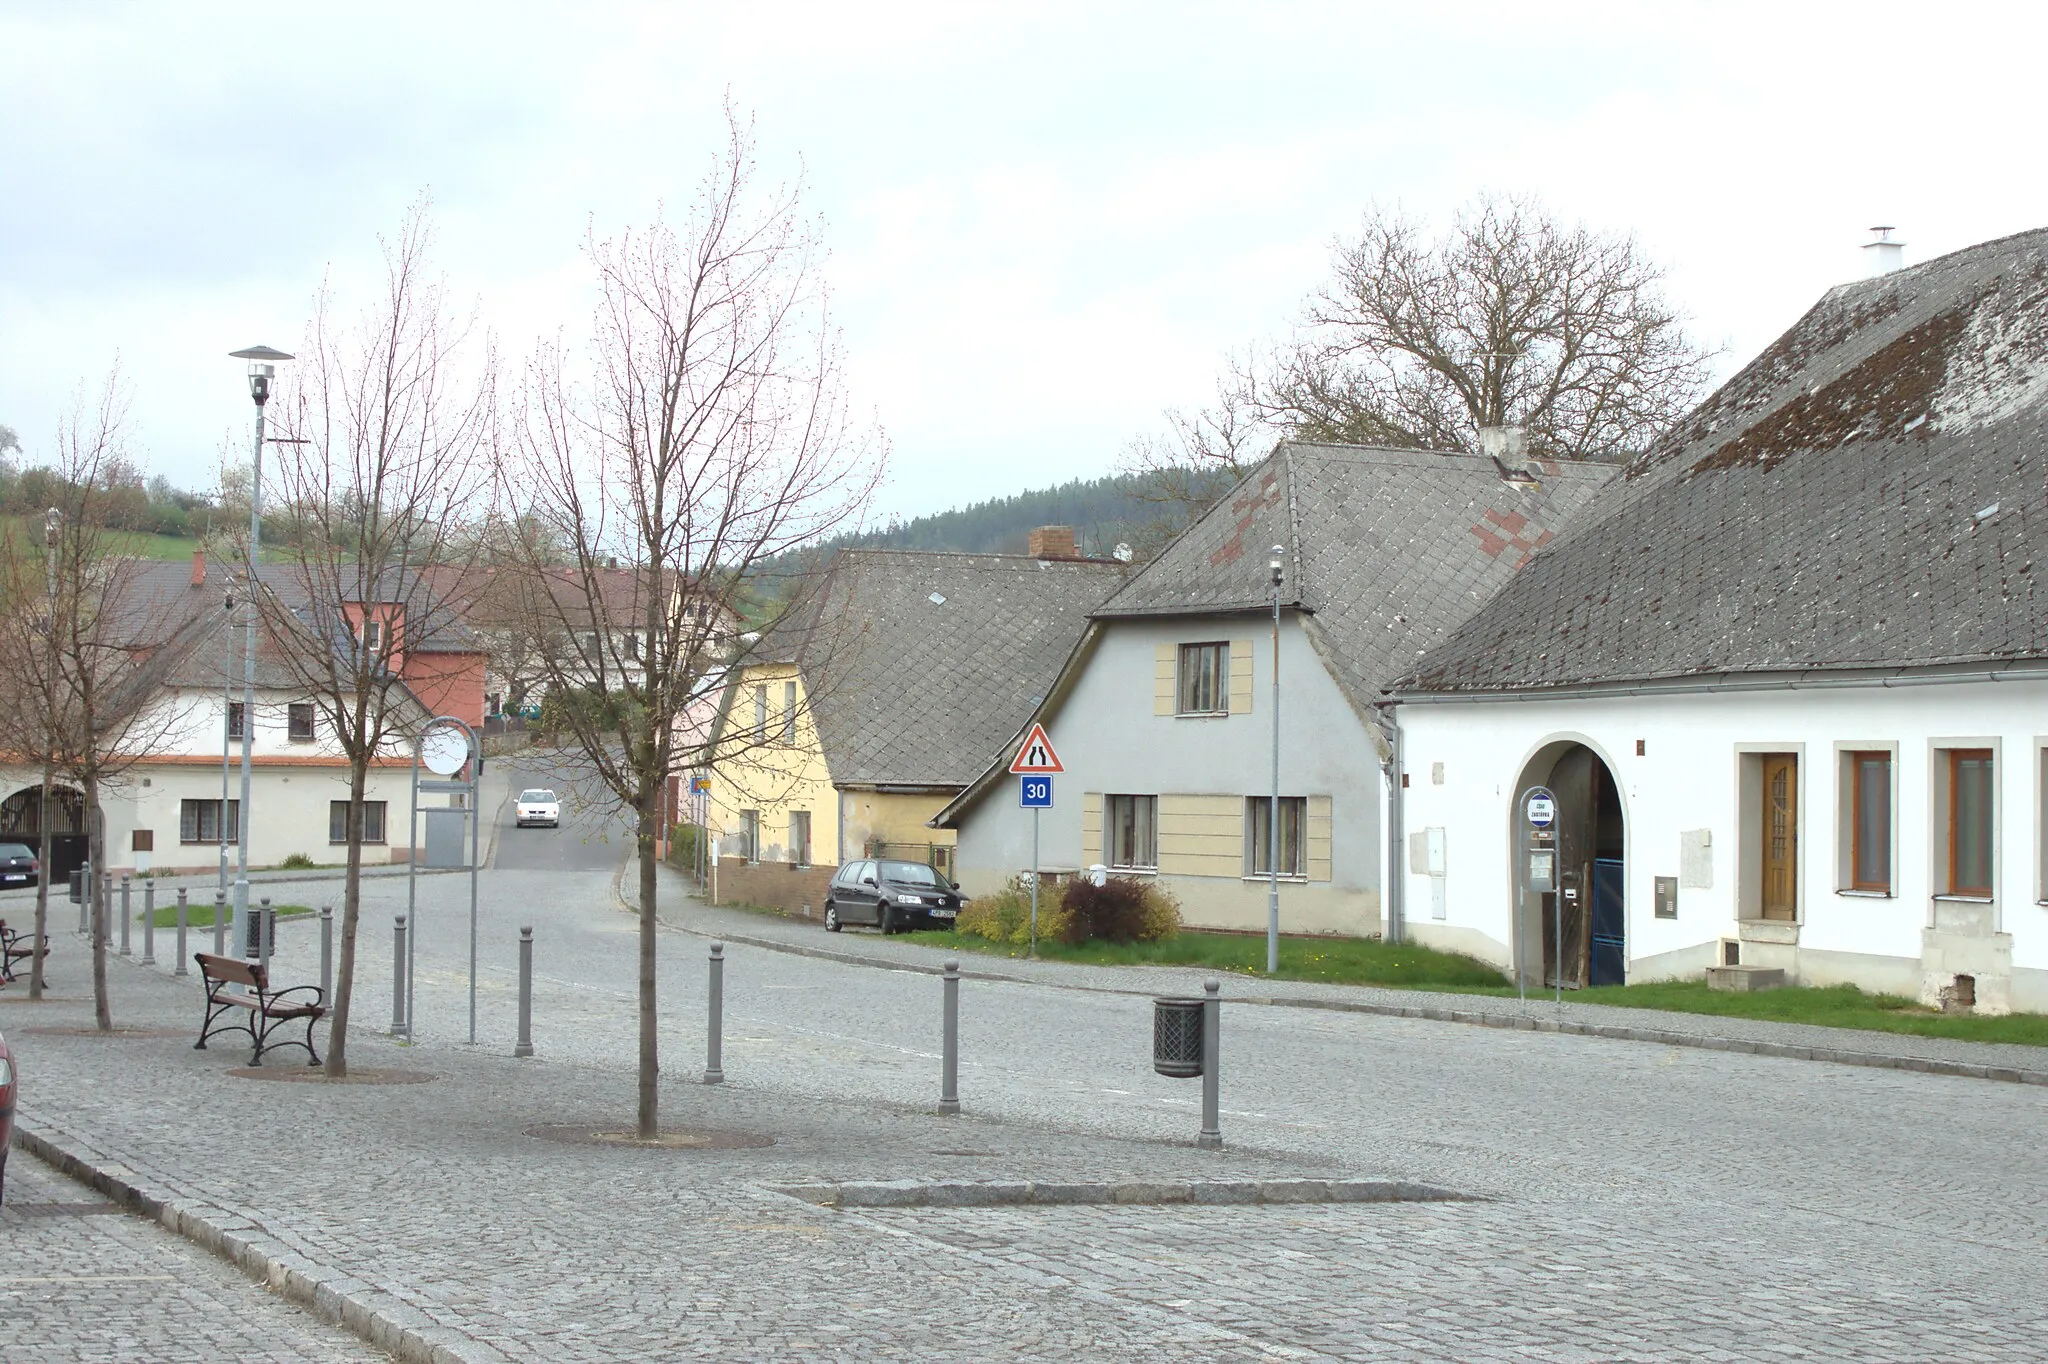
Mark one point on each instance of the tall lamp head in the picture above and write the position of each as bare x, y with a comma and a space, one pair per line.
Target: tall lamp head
52, 519
1277, 563
262, 369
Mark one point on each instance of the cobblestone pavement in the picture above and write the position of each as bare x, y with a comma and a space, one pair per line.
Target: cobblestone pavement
82, 1280
1638, 1201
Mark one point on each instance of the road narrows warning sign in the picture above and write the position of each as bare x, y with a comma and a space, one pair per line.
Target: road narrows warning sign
1035, 756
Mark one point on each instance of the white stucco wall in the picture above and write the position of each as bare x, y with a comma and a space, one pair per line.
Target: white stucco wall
1687, 779
1111, 741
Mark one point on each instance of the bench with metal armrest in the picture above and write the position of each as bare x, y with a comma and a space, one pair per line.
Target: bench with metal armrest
18, 947
239, 999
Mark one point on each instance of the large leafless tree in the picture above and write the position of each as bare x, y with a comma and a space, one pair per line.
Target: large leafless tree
381, 477
704, 430
1418, 341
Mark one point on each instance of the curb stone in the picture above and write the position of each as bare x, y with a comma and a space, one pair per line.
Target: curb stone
911, 1193
1928, 1065
242, 1243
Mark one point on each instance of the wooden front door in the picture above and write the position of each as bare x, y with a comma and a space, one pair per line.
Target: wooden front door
1780, 897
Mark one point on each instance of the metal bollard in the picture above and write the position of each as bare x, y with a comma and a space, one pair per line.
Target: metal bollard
149, 923
949, 1067
266, 923
1212, 1058
183, 910
104, 910
398, 976
86, 881
126, 914
714, 1060
220, 923
326, 950
524, 1046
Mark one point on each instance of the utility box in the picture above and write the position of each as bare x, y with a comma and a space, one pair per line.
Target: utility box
447, 838
1177, 1037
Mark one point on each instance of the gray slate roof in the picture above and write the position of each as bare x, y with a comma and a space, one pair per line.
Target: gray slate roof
1389, 549
1866, 493
912, 692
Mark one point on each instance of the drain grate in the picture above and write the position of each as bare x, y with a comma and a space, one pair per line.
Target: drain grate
63, 1209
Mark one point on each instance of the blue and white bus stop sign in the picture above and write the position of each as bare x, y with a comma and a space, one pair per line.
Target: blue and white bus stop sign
1540, 807
1035, 792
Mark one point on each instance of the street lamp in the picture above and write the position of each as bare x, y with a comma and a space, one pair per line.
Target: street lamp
1277, 565
53, 520
262, 369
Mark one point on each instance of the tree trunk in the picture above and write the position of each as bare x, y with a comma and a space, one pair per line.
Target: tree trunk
96, 841
351, 908
650, 1061
35, 963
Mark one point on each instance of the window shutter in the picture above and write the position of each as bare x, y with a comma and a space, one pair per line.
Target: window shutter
1240, 677
1319, 838
1091, 828
1168, 658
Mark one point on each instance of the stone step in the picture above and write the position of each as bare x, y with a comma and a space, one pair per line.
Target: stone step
1745, 977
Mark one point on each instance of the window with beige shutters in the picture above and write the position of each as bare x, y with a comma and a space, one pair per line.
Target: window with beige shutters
1780, 847
1204, 679
1240, 677
1971, 798
1132, 834
1258, 835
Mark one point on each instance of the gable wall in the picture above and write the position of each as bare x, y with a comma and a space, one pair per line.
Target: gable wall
1117, 733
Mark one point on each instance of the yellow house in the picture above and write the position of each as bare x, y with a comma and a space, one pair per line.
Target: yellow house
861, 716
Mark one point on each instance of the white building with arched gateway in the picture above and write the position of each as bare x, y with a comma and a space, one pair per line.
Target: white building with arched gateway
1788, 681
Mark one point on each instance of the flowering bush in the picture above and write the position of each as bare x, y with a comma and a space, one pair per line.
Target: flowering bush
1122, 909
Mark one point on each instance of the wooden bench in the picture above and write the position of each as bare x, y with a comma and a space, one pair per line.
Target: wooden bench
16, 947
255, 1008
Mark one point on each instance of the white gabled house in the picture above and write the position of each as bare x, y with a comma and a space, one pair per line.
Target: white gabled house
1163, 715
1789, 683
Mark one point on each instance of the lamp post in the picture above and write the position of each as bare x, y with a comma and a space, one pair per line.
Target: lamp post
227, 734
262, 369
1276, 565
53, 519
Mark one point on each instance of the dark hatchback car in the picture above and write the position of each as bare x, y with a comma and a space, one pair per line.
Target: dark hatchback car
18, 866
890, 895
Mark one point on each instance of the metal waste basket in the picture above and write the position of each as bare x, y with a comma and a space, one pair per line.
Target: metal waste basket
1177, 1037
77, 891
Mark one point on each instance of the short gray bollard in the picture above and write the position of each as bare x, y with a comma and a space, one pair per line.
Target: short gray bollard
104, 910
266, 923
714, 1026
220, 923
149, 923
398, 976
949, 1066
1212, 1060
183, 910
86, 881
326, 951
127, 913
524, 1047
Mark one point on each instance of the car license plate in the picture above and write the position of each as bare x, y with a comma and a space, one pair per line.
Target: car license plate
23, 876
944, 913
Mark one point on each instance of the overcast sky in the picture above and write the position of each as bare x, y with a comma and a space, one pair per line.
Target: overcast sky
1046, 222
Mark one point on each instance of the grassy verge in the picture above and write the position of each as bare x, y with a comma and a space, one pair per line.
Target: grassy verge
198, 915
1349, 961
1357, 961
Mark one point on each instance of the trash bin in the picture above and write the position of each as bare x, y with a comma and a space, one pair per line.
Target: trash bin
1177, 1037
78, 887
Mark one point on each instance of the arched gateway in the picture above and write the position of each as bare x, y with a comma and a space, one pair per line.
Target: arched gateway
1591, 845
21, 821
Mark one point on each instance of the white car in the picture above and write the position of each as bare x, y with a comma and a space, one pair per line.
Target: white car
537, 807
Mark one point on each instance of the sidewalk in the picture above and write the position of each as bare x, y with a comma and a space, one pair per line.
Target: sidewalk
2009, 1062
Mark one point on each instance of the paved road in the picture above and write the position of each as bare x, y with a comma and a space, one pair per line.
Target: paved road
1636, 1201
82, 1280
591, 838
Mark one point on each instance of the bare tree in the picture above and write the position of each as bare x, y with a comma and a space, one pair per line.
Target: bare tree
1417, 342
1201, 454
96, 676
710, 434
382, 477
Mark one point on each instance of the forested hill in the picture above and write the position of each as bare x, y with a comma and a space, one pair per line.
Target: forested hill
1104, 512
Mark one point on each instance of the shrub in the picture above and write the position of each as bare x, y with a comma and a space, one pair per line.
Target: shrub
1122, 909
297, 862
1005, 915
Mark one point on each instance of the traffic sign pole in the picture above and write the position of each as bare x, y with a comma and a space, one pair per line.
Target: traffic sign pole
1032, 951
1036, 762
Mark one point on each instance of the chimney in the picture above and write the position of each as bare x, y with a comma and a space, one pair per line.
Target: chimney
1882, 254
1054, 542
199, 567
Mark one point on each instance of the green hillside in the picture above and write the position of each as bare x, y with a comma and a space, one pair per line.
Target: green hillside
1104, 513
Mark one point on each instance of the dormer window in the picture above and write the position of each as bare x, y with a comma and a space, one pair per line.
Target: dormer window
373, 636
